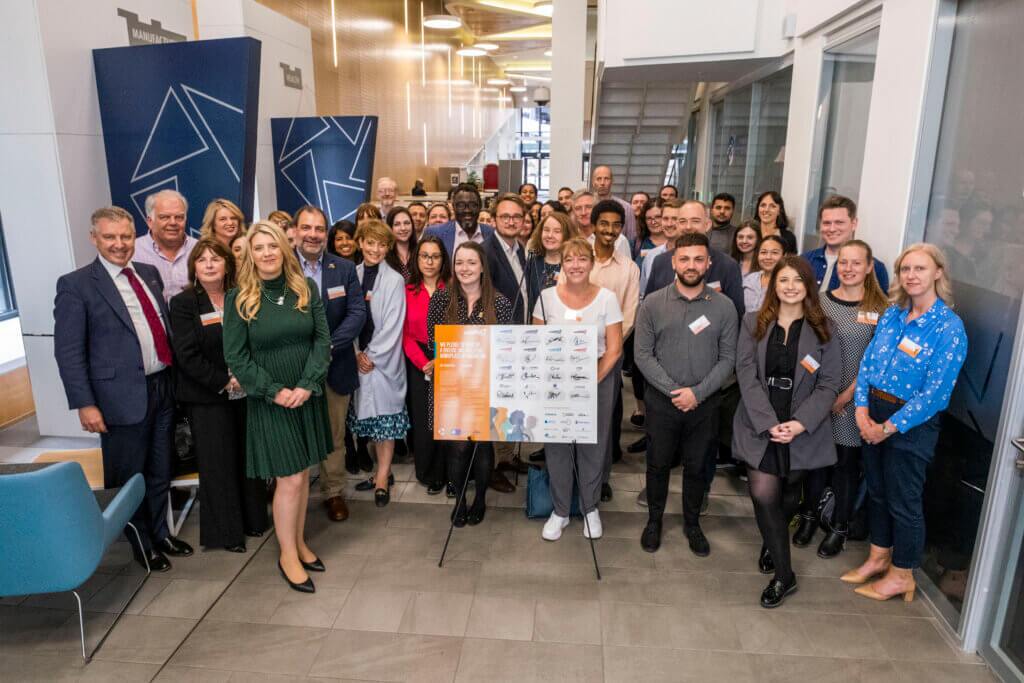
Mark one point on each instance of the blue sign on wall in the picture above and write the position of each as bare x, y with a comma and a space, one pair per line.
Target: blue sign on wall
326, 161
180, 116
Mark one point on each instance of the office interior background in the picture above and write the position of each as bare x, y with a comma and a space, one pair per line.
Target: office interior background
910, 107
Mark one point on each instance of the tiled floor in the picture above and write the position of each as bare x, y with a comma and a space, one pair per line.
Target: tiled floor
507, 606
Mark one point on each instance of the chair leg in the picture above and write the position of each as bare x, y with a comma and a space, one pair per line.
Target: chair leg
81, 627
142, 550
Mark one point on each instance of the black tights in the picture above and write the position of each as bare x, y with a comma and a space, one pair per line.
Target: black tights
459, 453
775, 502
845, 477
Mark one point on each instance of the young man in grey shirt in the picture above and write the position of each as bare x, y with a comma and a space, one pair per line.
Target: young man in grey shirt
685, 346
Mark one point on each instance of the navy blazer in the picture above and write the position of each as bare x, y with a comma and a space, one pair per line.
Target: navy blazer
95, 344
502, 276
345, 317
446, 231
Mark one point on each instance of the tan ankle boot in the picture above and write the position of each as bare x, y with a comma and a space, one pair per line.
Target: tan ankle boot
878, 562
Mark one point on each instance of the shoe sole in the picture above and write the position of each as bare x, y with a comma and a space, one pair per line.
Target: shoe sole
784, 596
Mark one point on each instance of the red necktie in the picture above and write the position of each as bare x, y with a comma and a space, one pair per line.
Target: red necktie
156, 328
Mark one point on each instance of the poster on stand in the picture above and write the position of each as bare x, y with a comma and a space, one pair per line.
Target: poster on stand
535, 383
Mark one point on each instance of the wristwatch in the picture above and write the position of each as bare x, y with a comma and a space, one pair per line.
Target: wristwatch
886, 430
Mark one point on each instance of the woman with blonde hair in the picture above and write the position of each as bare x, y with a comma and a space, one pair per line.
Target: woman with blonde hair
544, 251
906, 378
223, 221
277, 345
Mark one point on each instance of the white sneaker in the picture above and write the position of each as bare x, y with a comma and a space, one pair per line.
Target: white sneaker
553, 527
593, 524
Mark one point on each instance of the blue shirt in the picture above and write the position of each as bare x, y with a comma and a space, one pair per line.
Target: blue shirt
314, 270
926, 380
816, 257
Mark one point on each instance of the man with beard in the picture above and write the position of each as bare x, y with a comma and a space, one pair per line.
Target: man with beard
342, 296
418, 211
686, 348
466, 227
722, 208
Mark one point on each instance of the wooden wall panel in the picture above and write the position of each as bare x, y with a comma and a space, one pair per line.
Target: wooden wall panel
16, 388
376, 58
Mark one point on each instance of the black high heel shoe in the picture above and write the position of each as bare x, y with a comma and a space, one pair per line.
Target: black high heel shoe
765, 563
316, 565
304, 587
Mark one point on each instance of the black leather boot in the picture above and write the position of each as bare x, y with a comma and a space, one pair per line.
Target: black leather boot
834, 541
805, 531
765, 563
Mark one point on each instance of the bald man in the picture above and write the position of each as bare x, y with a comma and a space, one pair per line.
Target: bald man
601, 183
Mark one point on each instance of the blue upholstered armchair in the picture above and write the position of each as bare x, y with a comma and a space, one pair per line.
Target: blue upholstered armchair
54, 530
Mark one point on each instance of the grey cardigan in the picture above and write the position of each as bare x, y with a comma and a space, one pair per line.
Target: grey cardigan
813, 396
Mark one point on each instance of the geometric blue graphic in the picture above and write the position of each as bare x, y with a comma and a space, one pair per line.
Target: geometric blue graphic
181, 116
326, 161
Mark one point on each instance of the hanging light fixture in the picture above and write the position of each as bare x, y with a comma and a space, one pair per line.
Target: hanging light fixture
498, 81
470, 52
442, 20
487, 46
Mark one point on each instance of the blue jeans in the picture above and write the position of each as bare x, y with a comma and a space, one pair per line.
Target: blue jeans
895, 474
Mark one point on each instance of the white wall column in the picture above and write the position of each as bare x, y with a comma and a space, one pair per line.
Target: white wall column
568, 71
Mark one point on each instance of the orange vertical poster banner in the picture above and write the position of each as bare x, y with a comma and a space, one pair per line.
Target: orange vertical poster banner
462, 382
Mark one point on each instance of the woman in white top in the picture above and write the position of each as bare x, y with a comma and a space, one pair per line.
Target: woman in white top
755, 283
576, 298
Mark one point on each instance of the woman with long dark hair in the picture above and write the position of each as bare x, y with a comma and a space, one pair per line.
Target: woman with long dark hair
743, 247
755, 283
469, 299
788, 366
402, 227
772, 219
429, 270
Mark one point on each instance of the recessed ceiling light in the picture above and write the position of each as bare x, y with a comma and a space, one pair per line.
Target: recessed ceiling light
442, 21
470, 52
487, 46
547, 53
517, 88
498, 81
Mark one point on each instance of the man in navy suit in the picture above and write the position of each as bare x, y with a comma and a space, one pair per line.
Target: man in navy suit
343, 302
466, 227
111, 343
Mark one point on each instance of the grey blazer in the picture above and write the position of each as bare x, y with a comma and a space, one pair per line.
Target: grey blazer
813, 396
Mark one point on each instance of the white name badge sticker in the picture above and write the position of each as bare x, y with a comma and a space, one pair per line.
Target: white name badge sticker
909, 347
335, 292
700, 324
810, 365
574, 316
867, 317
716, 285
210, 318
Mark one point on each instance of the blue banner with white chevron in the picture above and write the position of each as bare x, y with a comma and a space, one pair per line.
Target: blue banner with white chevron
180, 116
326, 161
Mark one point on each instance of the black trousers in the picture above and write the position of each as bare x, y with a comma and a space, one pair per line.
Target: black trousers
428, 458
459, 453
145, 448
668, 430
230, 503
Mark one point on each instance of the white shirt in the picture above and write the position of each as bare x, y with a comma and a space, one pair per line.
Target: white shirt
461, 236
150, 362
647, 264
621, 245
602, 311
511, 253
830, 261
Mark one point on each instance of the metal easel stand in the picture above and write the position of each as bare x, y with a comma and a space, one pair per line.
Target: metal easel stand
583, 507
461, 500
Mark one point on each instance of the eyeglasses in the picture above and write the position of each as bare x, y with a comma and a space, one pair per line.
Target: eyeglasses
511, 218
466, 206
430, 257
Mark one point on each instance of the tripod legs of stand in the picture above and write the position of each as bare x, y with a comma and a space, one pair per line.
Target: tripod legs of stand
461, 500
583, 507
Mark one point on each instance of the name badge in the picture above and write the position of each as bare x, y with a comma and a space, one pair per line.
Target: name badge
867, 317
335, 292
909, 347
716, 285
210, 318
369, 295
574, 316
699, 325
809, 364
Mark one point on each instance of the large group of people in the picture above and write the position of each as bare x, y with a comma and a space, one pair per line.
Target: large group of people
290, 344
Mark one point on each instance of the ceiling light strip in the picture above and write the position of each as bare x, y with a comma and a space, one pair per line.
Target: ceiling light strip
334, 35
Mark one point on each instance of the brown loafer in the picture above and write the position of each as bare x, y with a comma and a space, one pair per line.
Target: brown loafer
500, 483
337, 511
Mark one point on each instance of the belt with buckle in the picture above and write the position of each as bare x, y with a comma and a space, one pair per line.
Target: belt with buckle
783, 383
888, 398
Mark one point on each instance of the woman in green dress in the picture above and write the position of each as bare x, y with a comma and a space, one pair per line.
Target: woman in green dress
277, 345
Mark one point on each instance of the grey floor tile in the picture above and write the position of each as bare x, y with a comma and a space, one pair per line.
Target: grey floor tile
630, 664
437, 614
67, 639
185, 598
146, 640
26, 628
319, 610
98, 671
840, 635
365, 655
655, 586
788, 668
501, 618
264, 648
568, 621
935, 672
636, 625
186, 674
774, 631
65, 600
528, 579
906, 638
518, 662
369, 610
120, 587
251, 603
418, 574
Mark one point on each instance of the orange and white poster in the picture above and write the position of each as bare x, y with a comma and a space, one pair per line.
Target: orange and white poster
533, 383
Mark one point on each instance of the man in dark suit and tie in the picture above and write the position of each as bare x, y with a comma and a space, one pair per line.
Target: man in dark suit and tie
466, 227
112, 349
343, 302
